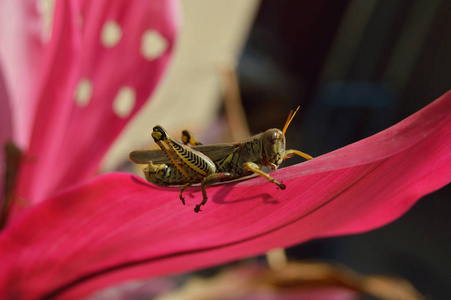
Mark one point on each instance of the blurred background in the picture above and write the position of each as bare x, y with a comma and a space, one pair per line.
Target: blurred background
355, 68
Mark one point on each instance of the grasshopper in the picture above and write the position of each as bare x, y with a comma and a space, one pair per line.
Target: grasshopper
190, 162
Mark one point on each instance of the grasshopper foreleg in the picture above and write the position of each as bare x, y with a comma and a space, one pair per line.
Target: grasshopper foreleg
250, 166
290, 153
211, 179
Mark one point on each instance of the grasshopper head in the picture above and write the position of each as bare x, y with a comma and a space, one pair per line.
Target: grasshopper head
273, 141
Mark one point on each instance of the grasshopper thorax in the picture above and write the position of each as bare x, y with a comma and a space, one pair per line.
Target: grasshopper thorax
273, 142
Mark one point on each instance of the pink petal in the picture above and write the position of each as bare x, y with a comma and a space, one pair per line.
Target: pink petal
118, 227
21, 52
70, 136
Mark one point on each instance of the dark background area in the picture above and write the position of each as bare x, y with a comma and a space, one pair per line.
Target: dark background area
356, 68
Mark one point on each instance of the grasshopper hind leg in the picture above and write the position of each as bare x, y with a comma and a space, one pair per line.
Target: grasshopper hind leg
156, 173
189, 139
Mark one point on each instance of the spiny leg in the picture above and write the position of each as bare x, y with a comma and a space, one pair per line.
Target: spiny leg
181, 191
188, 138
210, 179
290, 153
192, 164
159, 134
250, 166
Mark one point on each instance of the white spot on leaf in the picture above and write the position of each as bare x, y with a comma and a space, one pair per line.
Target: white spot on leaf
83, 92
153, 44
45, 8
124, 102
111, 34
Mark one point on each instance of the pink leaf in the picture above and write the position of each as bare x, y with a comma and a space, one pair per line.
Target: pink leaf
96, 77
118, 227
5, 131
21, 53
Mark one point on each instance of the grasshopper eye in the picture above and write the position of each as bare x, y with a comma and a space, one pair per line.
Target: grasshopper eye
272, 136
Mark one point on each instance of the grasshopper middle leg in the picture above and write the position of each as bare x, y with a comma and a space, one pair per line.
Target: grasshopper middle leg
184, 188
211, 179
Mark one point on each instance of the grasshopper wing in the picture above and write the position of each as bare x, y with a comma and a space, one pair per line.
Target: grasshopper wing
213, 151
144, 156
216, 151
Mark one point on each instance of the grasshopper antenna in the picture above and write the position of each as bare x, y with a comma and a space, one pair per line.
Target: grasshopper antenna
289, 119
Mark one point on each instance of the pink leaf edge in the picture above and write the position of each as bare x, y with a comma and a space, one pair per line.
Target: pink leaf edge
119, 227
